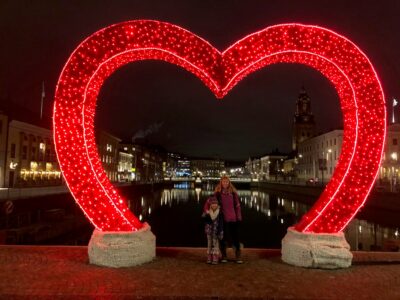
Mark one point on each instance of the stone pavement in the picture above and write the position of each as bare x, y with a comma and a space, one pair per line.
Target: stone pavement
59, 272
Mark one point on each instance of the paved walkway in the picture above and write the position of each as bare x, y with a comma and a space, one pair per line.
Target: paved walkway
35, 272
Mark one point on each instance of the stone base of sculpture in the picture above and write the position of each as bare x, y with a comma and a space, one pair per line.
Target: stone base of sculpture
316, 250
122, 249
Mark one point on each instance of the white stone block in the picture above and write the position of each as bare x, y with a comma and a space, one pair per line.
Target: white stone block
122, 249
316, 250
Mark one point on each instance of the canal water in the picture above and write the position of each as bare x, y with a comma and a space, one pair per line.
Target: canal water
175, 218
174, 215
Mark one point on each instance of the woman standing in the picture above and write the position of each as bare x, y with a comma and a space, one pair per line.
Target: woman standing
228, 199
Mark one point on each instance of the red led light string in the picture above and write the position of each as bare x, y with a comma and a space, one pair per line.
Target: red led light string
359, 90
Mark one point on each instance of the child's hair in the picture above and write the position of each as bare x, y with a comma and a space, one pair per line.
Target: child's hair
231, 188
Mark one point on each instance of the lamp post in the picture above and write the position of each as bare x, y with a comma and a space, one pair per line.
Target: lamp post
322, 165
322, 170
329, 152
297, 168
393, 181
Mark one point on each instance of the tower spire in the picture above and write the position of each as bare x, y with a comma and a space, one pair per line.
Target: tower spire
303, 121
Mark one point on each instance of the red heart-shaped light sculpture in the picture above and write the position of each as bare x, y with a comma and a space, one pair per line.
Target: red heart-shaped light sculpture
342, 62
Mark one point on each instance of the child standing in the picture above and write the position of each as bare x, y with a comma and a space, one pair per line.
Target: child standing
214, 230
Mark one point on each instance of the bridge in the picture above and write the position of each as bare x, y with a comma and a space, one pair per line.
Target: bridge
207, 179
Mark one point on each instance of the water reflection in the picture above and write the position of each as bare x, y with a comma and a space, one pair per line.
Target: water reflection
174, 215
363, 235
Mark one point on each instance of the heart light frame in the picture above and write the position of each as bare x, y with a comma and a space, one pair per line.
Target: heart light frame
337, 58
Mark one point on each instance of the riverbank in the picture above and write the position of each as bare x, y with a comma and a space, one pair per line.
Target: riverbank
180, 273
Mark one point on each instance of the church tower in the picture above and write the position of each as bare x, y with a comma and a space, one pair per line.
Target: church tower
303, 122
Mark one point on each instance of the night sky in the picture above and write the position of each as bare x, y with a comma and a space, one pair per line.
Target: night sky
169, 105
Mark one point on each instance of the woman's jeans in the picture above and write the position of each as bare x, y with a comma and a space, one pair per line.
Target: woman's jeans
231, 229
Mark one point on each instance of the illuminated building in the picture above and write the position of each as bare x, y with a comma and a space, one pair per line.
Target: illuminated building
27, 155
253, 167
183, 168
170, 165
131, 151
207, 167
149, 163
325, 149
318, 156
108, 146
271, 166
290, 167
389, 171
125, 170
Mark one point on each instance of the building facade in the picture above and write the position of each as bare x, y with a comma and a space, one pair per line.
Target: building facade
29, 159
107, 146
125, 167
171, 165
184, 168
253, 168
290, 167
271, 166
130, 149
318, 156
207, 167
389, 173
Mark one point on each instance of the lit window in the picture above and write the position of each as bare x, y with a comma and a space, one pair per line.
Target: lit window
34, 165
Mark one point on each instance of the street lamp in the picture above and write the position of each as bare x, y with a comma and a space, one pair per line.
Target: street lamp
393, 172
394, 155
330, 152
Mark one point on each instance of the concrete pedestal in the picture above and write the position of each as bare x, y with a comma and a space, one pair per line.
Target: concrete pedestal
316, 250
122, 249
